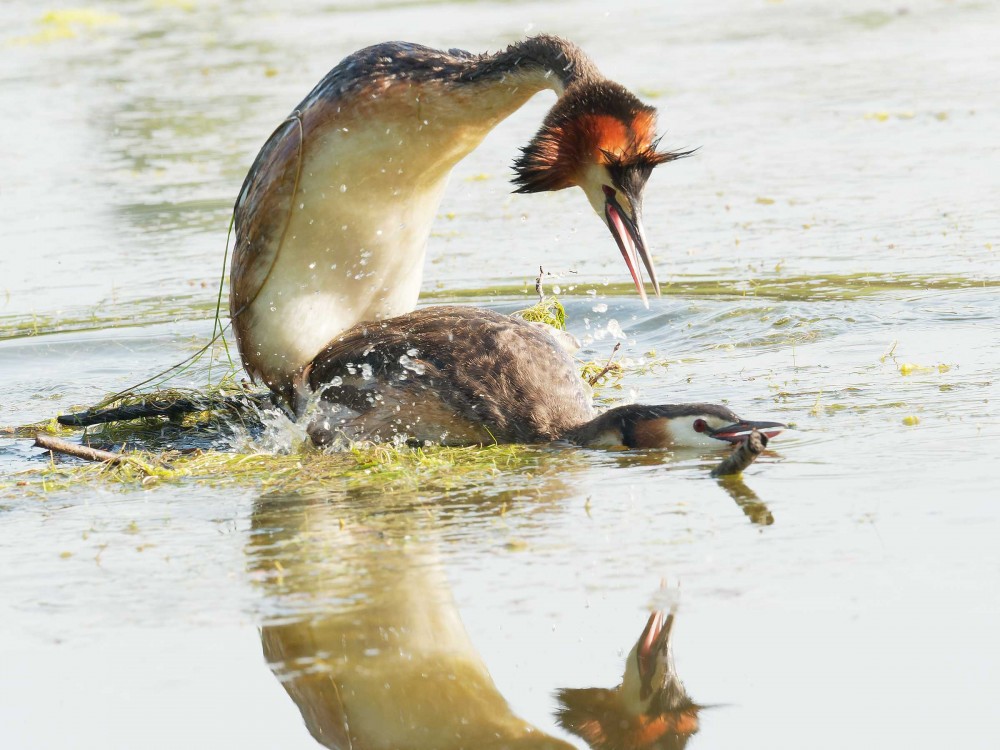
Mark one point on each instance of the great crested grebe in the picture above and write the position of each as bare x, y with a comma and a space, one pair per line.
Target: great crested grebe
334, 215
650, 709
465, 375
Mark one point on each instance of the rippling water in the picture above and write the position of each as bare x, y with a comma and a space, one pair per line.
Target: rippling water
830, 253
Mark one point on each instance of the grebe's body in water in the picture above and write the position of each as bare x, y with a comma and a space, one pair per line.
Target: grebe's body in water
465, 375
334, 215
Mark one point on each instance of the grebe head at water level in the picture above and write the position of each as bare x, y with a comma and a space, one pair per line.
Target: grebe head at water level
334, 215
465, 375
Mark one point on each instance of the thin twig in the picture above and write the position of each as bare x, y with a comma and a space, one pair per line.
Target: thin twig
539, 286
180, 366
217, 325
607, 368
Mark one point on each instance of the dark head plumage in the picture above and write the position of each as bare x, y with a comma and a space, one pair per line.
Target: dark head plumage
594, 122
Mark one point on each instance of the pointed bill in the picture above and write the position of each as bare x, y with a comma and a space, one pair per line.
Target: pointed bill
628, 249
653, 650
734, 433
631, 240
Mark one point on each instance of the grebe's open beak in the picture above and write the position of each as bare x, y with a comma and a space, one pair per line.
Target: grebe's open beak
735, 433
652, 647
628, 233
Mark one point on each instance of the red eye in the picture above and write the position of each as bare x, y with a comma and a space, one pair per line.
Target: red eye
700, 425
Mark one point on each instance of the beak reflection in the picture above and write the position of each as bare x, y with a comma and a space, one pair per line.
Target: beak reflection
649, 710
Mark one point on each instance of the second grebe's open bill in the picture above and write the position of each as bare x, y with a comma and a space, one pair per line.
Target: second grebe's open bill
654, 641
734, 433
631, 240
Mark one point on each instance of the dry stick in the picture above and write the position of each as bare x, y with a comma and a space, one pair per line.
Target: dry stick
743, 455
85, 452
607, 367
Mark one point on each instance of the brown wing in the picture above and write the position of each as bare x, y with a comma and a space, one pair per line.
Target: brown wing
262, 212
491, 368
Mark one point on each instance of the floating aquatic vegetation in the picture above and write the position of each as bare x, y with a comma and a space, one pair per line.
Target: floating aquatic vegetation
548, 310
375, 467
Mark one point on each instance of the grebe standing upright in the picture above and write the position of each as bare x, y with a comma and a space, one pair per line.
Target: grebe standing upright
334, 215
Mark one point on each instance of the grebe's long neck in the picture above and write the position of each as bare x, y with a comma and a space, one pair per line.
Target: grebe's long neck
513, 75
333, 218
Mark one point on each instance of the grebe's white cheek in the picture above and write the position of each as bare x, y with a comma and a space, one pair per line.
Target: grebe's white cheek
685, 435
592, 180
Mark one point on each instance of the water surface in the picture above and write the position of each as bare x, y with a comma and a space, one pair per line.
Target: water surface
830, 258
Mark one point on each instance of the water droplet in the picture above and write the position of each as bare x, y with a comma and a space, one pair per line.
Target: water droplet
337, 380
600, 308
418, 367
343, 188
312, 265
556, 289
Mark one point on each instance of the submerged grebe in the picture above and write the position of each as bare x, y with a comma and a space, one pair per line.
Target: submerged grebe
466, 375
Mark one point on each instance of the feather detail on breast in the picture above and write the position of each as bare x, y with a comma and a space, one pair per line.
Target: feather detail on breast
333, 218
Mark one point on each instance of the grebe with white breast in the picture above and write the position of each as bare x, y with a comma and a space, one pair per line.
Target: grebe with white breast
334, 215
